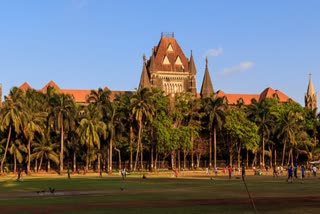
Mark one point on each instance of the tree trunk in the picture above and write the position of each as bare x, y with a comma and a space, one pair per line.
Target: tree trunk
99, 162
179, 160
172, 160
14, 163
151, 158
184, 159
74, 162
119, 158
138, 145
283, 152
49, 166
230, 157
5, 150
192, 159
110, 152
87, 161
210, 151
215, 147
29, 156
275, 157
247, 158
263, 150
40, 164
61, 146
131, 144
239, 152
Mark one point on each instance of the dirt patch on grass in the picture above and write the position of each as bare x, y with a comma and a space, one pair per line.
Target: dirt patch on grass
262, 203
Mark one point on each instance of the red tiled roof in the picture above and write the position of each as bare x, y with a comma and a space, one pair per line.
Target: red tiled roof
247, 98
52, 84
161, 51
80, 95
25, 86
270, 92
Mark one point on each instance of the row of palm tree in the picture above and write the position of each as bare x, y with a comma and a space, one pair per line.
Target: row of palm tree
39, 130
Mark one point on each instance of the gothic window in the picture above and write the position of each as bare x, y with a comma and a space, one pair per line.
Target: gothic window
169, 48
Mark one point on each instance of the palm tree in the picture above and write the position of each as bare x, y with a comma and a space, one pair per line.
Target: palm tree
214, 108
260, 113
44, 149
35, 120
90, 129
12, 117
142, 110
16, 149
101, 99
63, 111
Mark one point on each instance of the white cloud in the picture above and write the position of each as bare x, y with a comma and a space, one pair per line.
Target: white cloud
243, 66
214, 52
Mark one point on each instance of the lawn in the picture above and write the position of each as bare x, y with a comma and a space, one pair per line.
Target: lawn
159, 193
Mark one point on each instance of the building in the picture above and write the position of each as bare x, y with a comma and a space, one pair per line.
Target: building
169, 69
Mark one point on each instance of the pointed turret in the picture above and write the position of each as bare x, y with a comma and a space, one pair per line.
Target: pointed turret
206, 88
144, 80
310, 98
192, 66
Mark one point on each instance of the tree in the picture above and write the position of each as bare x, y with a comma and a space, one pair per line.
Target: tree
243, 133
142, 110
17, 149
63, 111
13, 116
90, 129
214, 109
35, 120
260, 113
43, 148
101, 99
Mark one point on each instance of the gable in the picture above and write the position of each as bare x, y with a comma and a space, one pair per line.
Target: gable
166, 61
178, 61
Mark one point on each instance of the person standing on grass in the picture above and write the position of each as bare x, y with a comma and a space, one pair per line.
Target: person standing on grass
275, 171
243, 172
19, 174
302, 173
290, 172
230, 171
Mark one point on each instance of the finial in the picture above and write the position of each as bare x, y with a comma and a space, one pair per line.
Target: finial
310, 76
206, 61
144, 58
191, 52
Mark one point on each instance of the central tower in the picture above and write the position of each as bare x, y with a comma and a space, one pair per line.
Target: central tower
168, 68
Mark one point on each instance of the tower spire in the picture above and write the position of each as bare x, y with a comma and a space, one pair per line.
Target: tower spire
206, 88
311, 98
144, 80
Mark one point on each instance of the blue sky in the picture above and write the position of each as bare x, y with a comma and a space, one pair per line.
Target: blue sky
86, 44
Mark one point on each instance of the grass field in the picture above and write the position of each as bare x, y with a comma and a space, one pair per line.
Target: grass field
161, 193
